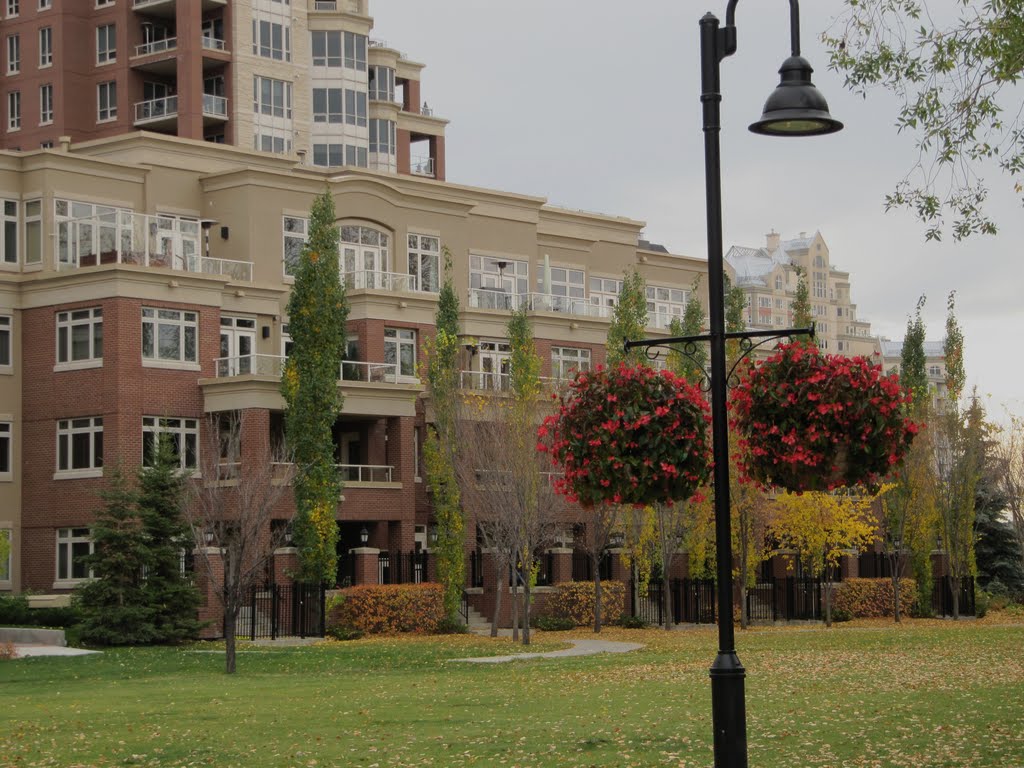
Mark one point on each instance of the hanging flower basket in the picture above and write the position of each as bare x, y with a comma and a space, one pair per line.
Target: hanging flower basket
629, 436
813, 422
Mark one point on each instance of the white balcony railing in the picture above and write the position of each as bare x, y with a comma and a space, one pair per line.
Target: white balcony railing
256, 365
156, 46
354, 370
489, 298
421, 166
485, 381
380, 281
347, 473
118, 236
156, 109
213, 43
217, 106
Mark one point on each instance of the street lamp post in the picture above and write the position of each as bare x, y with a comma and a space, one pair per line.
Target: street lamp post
795, 108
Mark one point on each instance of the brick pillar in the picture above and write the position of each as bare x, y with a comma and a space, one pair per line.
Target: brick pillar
849, 566
190, 70
619, 570
490, 569
404, 137
209, 581
365, 566
437, 155
561, 564
286, 563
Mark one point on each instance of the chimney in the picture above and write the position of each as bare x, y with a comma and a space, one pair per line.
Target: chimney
773, 241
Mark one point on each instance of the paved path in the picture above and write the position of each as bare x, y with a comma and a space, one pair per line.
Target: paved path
49, 650
580, 648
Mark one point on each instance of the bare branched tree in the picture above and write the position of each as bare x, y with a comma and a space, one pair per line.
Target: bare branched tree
230, 514
1009, 455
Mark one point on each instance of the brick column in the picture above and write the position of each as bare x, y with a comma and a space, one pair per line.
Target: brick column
286, 563
190, 70
619, 570
365, 566
209, 581
561, 564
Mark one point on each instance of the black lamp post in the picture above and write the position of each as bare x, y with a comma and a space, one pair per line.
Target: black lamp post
795, 108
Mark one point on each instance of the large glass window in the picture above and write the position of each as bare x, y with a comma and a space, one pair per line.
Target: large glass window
14, 111
355, 51
72, 545
6, 448
272, 97
45, 104
355, 107
327, 105
80, 444
604, 291
326, 48
45, 47
424, 257
400, 350
80, 335
106, 44
495, 282
183, 435
271, 41
13, 54
383, 137
365, 252
562, 282
356, 156
565, 361
382, 83
328, 155
6, 356
664, 304
9, 237
106, 101
169, 335
295, 233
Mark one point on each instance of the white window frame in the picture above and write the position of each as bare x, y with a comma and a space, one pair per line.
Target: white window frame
354, 51
604, 291
45, 47
272, 108
356, 108
67, 431
331, 110
46, 104
326, 58
45, 5
6, 451
6, 343
183, 321
565, 361
328, 155
106, 44
565, 281
9, 210
13, 8
14, 111
72, 320
486, 275
67, 538
386, 144
106, 107
425, 250
295, 233
665, 303
277, 50
183, 432
13, 54
397, 340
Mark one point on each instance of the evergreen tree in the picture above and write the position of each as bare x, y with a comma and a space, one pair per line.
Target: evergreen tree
913, 369
692, 367
114, 604
997, 551
802, 301
160, 502
629, 321
317, 312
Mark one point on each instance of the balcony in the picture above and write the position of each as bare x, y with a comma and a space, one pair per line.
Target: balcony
215, 108
272, 366
422, 166
488, 298
167, 8
125, 237
395, 282
157, 113
351, 474
213, 44
157, 46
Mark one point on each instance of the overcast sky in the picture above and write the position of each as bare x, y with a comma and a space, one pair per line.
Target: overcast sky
594, 104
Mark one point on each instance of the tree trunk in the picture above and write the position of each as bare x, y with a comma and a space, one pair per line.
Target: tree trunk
744, 614
956, 597
666, 602
230, 620
896, 595
827, 587
515, 610
596, 561
497, 606
526, 612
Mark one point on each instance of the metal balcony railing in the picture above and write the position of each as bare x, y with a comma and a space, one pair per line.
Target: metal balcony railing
380, 281
256, 365
349, 473
156, 109
355, 370
213, 43
421, 166
216, 106
156, 46
485, 381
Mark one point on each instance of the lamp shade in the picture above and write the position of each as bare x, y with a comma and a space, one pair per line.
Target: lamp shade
796, 107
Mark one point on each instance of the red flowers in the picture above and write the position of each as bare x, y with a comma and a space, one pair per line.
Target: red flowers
653, 448
811, 422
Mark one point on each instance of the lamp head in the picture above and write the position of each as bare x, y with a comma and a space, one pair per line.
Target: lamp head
796, 107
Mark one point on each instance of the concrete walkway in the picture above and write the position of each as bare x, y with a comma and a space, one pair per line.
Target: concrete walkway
580, 648
48, 650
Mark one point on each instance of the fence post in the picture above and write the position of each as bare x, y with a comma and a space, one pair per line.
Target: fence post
274, 606
252, 615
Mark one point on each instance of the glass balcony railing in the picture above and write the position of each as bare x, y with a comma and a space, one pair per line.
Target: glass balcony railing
156, 46
215, 106
422, 166
156, 109
379, 281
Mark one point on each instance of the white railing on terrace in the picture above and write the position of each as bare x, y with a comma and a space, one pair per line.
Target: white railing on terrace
661, 320
351, 473
156, 109
380, 281
485, 381
257, 365
156, 46
421, 166
215, 105
213, 43
489, 298
118, 236
354, 370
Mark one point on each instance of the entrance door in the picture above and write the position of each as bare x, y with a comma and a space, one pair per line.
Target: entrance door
237, 346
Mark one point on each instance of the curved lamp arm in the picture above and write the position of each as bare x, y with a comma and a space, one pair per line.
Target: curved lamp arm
794, 27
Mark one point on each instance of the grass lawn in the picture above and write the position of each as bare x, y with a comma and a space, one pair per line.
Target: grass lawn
929, 693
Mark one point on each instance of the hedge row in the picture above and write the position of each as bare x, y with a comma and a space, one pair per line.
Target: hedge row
574, 600
869, 598
15, 612
388, 609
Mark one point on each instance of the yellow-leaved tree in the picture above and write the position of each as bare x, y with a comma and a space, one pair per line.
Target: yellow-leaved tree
820, 528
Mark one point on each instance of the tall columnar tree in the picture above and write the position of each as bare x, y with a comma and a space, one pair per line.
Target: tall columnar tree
114, 605
692, 366
629, 321
913, 368
317, 312
802, 317
954, 85
442, 374
161, 499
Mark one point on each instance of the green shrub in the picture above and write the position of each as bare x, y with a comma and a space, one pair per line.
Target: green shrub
389, 609
344, 633
14, 610
869, 598
841, 614
449, 626
574, 600
552, 623
982, 602
633, 622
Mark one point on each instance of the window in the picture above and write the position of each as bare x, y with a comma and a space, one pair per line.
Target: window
400, 350
6, 447
5, 563
355, 51
183, 435
45, 104
13, 7
382, 137
490, 277
79, 336
104, 2
13, 54
356, 156
14, 111
604, 292
665, 304
328, 155
364, 253
565, 361
271, 41
45, 47
9, 241
272, 97
327, 105
424, 253
295, 232
382, 84
355, 107
272, 142
33, 231
286, 340
106, 44
5, 344
327, 48
45, 5
934, 370
169, 335
80, 445
106, 101
561, 282
72, 545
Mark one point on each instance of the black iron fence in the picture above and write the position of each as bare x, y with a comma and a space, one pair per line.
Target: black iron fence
476, 568
942, 597
582, 566
275, 610
402, 567
789, 599
692, 601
